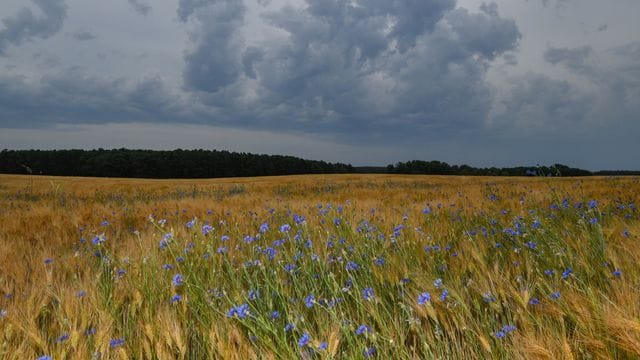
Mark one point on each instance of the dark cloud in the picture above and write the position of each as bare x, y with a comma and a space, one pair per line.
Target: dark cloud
539, 104
614, 76
187, 7
604, 100
576, 59
73, 97
250, 57
357, 73
365, 72
25, 25
430, 77
84, 35
140, 6
214, 60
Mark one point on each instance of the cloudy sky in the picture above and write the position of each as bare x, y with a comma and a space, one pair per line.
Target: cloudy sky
511, 82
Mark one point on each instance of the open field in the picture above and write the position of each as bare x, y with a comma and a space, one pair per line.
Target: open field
318, 267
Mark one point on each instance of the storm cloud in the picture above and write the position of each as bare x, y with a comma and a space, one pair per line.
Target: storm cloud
140, 6
340, 67
25, 25
420, 78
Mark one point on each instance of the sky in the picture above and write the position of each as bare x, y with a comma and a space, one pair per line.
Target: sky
367, 82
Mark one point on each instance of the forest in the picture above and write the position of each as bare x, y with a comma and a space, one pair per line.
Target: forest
196, 164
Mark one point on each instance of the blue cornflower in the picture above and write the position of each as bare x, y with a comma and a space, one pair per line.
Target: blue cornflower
289, 327
352, 266
177, 280
62, 338
511, 232
81, 294
348, 284
104, 223
549, 272
555, 295
290, 268
48, 261
264, 227
567, 273
224, 238
298, 219
488, 297
304, 339
253, 294
378, 261
363, 329
3, 313
426, 210
593, 204
206, 229
190, 223
114, 343
536, 224
625, 233
368, 294
45, 357
500, 334
337, 221
437, 283
323, 345
424, 298
176, 298
534, 301
509, 328
275, 315
167, 267
309, 300
180, 259
241, 311
222, 250
369, 351
531, 245
444, 295
593, 220
617, 273
285, 228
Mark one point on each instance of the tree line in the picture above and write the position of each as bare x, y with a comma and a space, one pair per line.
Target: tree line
159, 164
442, 168
215, 163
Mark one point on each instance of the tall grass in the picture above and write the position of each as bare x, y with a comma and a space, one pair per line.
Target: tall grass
321, 267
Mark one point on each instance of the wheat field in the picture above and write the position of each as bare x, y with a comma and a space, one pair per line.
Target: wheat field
320, 267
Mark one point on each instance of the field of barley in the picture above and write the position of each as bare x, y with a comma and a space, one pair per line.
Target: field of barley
320, 267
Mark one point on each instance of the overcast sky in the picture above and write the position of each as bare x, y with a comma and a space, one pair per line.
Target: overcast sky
370, 82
